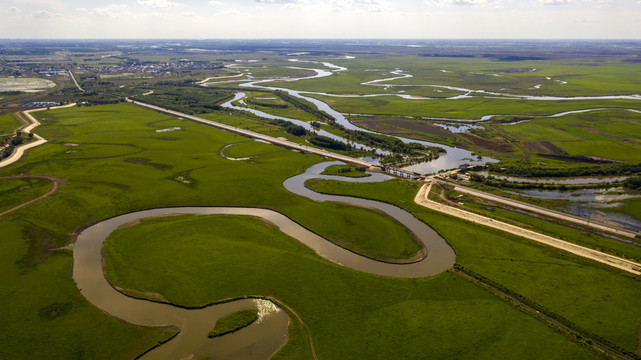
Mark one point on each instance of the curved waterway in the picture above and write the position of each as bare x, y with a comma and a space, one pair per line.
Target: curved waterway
455, 156
263, 338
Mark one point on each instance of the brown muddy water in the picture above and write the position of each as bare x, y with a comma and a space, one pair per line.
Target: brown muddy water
263, 338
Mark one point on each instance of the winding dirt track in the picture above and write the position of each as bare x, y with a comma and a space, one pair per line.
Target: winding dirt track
614, 261
20, 150
55, 184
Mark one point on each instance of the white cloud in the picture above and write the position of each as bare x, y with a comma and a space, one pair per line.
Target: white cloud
281, 1
216, 3
464, 2
112, 11
45, 14
235, 12
158, 4
189, 15
359, 6
12, 10
555, 2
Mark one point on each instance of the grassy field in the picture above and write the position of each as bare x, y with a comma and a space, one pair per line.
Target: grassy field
583, 238
351, 315
14, 192
234, 322
254, 99
120, 164
555, 77
8, 123
469, 108
344, 170
593, 296
611, 134
112, 161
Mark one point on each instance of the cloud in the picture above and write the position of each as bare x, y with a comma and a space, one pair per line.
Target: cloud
235, 12
555, 2
112, 11
281, 1
45, 14
158, 4
359, 6
189, 15
216, 3
465, 2
12, 10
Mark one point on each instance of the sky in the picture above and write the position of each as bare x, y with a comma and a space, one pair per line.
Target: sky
255, 19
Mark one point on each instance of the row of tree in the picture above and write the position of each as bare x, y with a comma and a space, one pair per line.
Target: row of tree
527, 170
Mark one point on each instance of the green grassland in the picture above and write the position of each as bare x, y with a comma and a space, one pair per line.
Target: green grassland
8, 123
468, 109
14, 192
526, 221
630, 207
127, 166
611, 134
595, 297
254, 100
344, 170
351, 315
234, 321
583, 76
249, 148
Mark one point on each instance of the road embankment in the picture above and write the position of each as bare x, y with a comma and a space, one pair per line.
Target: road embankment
614, 261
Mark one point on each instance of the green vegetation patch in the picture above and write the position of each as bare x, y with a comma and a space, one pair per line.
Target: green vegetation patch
593, 296
250, 149
14, 192
346, 170
8, 123
234, 322
610, 134
351, 315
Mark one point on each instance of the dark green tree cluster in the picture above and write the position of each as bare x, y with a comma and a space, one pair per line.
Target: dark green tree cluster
633, 183
293, 129
251, 101
328, 143
304, 106
527, 170
503, 183
185, 98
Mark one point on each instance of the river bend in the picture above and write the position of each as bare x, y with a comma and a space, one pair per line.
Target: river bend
262, 339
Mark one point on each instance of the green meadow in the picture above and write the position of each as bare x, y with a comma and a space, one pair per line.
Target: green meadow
112, 161
120, 164
8, 123
14, 192
345, 170
469, 108
611, 134
351, 315
595, 297
569, 77
274, 105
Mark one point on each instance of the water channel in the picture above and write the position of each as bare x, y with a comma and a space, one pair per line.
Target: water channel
261, 339
454, 157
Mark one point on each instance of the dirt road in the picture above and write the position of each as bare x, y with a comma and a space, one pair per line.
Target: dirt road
55, 184
614, 261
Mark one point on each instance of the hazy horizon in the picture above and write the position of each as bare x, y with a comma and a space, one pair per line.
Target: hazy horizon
311, 19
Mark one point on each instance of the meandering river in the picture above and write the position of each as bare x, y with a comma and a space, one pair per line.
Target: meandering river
259, 340
455, 156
